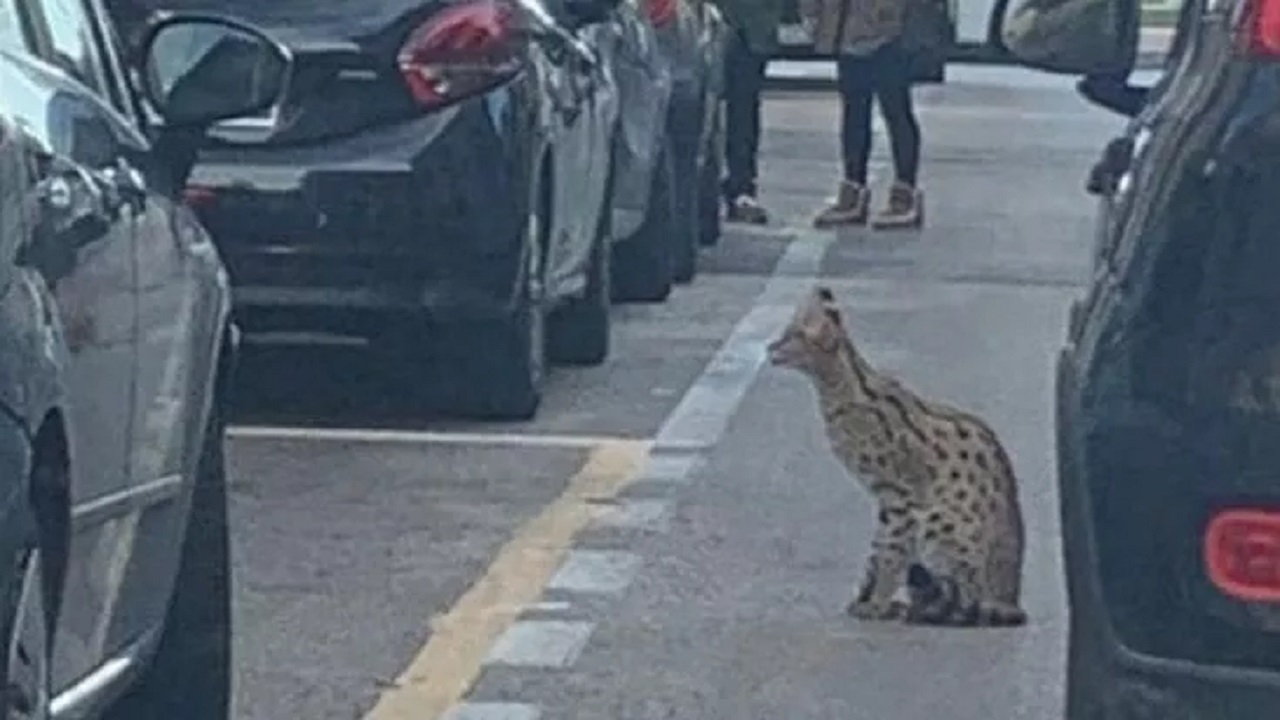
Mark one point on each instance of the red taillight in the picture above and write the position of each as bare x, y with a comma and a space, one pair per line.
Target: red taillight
1263, 27
1242, 554
463, 50
662, 12
199, 196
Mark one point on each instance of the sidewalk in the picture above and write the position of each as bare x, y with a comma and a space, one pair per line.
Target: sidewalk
821, 74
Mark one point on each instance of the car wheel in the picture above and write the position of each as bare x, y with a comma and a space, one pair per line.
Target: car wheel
190, 675
709, 226
494, 369
643, 263
580, 333
687, 214
26, 630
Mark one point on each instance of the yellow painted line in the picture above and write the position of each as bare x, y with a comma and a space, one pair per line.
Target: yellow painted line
420, 437
452, 659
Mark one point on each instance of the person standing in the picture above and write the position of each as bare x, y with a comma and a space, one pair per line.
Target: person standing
753, 36
864, 35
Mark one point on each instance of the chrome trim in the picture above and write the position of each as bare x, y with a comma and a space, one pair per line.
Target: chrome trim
125, 501
88, 693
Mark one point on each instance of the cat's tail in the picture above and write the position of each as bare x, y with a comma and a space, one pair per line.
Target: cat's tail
937, 600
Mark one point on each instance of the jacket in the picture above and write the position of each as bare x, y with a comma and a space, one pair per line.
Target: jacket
853, 27
756, 21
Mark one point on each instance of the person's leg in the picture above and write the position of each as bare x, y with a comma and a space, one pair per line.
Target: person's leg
852, 197
744, 78
893, 90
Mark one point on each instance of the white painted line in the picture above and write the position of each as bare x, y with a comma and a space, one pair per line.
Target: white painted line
419, 437
493, 711
772, 232
645, 515
605, 572
550, 606
667, 466
541, 643
705, 410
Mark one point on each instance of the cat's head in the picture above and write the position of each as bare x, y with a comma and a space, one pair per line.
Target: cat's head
815, 333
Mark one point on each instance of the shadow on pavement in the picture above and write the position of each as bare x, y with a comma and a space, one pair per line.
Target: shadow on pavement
326, 386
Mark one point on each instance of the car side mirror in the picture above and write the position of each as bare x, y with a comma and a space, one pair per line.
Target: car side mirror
589, 12
1075, 37
198, 70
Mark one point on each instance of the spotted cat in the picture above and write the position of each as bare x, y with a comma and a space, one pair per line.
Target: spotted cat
950, 525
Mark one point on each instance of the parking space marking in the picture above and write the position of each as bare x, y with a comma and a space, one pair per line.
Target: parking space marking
673, 467
710, 403
494, 711
653, 516
541, 643
606, 572
461, 639
422, 437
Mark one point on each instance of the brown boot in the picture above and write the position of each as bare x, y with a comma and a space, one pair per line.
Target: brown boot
905, 209
849, 207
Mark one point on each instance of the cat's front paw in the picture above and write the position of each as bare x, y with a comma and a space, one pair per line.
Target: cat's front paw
877, 611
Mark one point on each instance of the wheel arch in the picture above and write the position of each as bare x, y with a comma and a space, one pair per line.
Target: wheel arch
50, 498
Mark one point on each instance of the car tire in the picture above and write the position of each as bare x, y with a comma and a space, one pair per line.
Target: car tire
190, 674
709, 222
642, 268
687, 212
24, 692
580, 332
494, 369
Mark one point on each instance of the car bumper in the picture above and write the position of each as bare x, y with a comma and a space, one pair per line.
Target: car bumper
398, 219
1111, 673
1175, 690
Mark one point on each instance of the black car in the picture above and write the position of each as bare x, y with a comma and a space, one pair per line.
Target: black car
115, 594
436, 182
1168, 400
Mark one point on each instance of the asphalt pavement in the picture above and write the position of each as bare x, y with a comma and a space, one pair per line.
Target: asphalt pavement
671, 538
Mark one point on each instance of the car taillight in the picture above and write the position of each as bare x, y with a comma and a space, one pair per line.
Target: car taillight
1242, 554
1263, 28
662, 12
463, 50
199, 196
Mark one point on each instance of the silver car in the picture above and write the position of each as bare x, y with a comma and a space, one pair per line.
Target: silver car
117, 349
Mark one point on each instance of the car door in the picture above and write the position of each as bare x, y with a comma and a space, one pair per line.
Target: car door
85, 248
182, 301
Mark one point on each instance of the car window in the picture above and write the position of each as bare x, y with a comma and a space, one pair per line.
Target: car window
11, 35
71, 39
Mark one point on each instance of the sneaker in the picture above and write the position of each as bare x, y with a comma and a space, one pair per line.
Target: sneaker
905, 209
848, 208
745, 209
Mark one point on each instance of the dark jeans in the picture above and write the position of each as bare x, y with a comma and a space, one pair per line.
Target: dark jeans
885, 75
743, 81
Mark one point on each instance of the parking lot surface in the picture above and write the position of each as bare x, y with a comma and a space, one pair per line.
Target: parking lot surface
671, 538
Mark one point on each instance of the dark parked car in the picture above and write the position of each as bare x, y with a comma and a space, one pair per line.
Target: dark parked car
436, 182
117, 349
1168, 411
